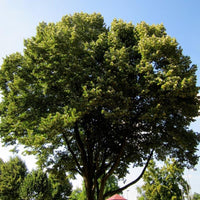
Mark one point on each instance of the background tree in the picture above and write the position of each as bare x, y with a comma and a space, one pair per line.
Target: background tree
166, 183
17, 183
1, 163
92, 100
39, 185
61, 187
111, 184
78, 193
36, 186
12, 175
196, 196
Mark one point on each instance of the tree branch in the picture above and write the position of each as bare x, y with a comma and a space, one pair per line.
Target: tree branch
117, 161
79, 170
110, 193
103, 165
80, 143
112, 169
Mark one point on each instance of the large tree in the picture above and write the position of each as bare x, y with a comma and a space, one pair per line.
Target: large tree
166, 183
91, 99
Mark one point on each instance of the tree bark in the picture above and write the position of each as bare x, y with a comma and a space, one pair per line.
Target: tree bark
89, 188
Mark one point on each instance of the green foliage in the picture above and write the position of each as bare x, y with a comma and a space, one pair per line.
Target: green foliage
61, 187
166, 183
92, 100
12, 175
36, 186
17, 183
196, 196
79, 194
111, 184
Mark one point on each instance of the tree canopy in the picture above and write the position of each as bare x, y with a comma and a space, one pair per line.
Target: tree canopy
91, 99
166, 183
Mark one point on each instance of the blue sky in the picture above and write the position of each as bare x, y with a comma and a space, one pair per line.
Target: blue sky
19, 18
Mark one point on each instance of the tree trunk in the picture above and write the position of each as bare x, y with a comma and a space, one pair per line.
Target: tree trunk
101, 191
90, 191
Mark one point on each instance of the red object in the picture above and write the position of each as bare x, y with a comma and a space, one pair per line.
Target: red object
116, 197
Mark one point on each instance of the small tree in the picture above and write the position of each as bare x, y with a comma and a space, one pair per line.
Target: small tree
12, 174
39, 185
166, 183
61, 187
36, 186
196, 196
